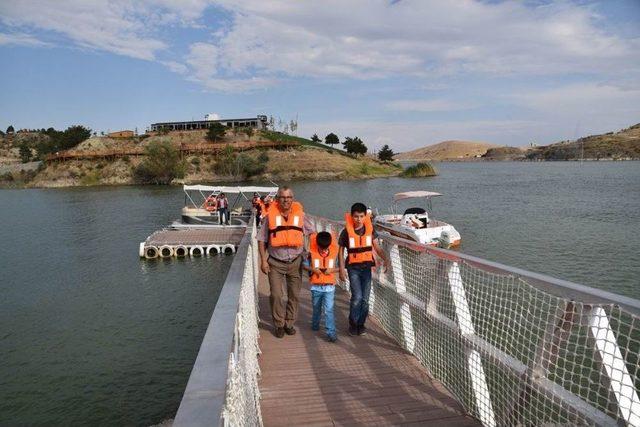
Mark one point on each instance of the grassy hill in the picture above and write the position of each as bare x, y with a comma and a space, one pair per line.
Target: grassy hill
447, 150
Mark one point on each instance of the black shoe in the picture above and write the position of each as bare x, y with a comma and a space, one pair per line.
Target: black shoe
362, 330
279, 333
290, 330
332, 338
353, 330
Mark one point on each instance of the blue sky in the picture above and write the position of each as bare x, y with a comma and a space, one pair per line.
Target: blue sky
408, 73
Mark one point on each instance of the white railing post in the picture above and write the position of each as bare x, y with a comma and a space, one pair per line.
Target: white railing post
405, 312
620, 382
474, 361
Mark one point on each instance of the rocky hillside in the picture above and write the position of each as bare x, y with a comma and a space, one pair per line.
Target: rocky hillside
621, 145
447, 150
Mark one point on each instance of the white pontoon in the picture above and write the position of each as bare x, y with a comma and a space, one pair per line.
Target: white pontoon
197, 210
415, 224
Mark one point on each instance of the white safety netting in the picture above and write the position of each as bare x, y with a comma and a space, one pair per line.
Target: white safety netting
242, 401
513, 351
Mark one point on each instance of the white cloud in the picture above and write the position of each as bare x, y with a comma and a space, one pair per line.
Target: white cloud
123, 27
20, 39
372, 39
428, 105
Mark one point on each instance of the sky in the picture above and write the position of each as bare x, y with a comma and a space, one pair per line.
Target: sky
407, 73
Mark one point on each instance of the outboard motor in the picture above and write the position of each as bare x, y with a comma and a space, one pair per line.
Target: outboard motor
445, 240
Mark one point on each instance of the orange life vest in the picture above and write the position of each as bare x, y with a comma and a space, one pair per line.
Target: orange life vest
286, 232
211, 204
323, 262
360, 247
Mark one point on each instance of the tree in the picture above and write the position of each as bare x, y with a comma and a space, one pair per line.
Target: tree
385, 153
10, 130
331, 139
161, 165
315, 138
354, 146
248, 131
216, 131
25, 153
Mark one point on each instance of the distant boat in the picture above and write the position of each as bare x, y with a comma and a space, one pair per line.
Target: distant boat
415, 224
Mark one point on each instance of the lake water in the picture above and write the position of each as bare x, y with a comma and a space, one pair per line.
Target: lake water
90, 334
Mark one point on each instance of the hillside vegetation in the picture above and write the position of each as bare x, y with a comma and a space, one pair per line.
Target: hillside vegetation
308, 160
447, 150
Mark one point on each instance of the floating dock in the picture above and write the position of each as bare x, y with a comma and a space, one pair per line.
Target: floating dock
192, 241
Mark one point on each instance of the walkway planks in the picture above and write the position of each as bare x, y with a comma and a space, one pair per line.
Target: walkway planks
366, 380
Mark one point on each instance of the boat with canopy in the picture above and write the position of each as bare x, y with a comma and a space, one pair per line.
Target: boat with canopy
200, 208
415, 223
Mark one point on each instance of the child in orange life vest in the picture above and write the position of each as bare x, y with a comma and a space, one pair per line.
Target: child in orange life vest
359, 239
321, 265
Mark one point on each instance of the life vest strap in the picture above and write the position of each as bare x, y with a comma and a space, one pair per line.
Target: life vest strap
285, 227
359, 250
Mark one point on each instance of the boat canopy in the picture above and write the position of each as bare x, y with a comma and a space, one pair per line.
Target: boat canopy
229, 189
415, 195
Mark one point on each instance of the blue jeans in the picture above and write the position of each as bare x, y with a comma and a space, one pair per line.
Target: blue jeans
360, 284
224, 215
323, 300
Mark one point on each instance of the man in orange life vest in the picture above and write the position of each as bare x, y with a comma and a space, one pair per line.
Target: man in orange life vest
359, 239
281, 241
323, 250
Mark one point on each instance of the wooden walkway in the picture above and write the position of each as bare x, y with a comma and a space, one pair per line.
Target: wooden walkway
365, 380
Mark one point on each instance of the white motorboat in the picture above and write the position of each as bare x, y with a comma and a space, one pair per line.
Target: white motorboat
198, 211
416, 224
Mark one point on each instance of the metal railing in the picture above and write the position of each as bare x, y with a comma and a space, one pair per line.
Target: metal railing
514, 347
223, 385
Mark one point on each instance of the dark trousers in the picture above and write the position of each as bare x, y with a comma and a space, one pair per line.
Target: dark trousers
224, 215
360, 284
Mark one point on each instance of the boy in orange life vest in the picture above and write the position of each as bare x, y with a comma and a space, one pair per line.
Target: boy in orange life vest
321, 266
359, 239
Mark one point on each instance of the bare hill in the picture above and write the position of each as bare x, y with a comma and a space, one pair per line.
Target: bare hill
447, 150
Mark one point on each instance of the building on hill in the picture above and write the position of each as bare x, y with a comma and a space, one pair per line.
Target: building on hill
258, 122
121, 134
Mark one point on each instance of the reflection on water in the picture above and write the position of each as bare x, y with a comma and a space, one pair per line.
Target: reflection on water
92, 335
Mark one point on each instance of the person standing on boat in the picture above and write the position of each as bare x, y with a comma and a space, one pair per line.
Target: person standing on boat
223, 209
258, 206
281, 242
359, 238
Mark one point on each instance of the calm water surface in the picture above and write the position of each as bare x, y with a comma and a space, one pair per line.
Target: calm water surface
89, 334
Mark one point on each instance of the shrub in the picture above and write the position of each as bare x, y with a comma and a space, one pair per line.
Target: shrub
216, 131
161, 165
419, 171
25, 153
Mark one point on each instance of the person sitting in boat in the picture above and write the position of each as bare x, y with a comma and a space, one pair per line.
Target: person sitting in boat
415, 217
210, 203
